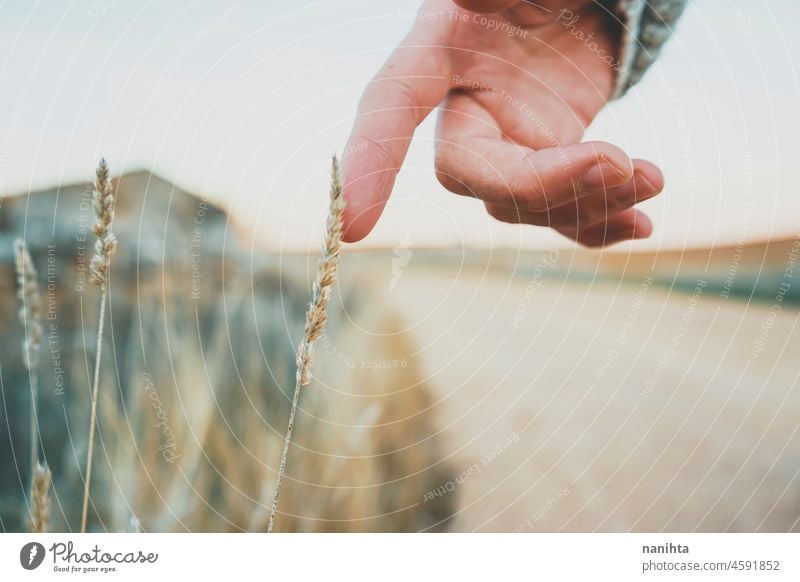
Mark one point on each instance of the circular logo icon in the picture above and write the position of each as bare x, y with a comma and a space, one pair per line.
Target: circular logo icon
31, 555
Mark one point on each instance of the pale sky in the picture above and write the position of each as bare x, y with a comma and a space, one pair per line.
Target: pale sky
245, 102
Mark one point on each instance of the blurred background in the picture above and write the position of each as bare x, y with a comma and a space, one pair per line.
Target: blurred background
650, 386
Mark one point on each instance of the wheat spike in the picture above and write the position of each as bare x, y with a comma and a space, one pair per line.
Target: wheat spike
106, 243
103, 200
30, 314
40, 499
315, 317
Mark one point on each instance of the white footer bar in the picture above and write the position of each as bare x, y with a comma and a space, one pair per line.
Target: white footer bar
407, 558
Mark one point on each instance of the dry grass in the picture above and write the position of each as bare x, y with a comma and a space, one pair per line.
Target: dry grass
104, 248
205, 387
105, 244
316, 317
40, 499
30, 314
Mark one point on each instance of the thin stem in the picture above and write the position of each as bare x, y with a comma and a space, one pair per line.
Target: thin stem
93, 416
285, 454
34, 437
315, 317
34, 422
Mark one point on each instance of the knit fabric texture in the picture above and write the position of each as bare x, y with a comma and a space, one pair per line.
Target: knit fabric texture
646, 26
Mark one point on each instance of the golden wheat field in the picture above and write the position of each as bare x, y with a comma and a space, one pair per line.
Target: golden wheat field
451, 390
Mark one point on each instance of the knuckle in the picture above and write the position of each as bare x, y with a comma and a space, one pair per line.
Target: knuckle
535, 197
381, 150
592, 219
500, 213
449, 182
445, 172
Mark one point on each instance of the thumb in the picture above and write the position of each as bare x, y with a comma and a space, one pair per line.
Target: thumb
414, 80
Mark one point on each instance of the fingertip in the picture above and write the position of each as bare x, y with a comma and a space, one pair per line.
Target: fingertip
358, 221
366, 186
628, 225
651, 173
351, 234
642, 226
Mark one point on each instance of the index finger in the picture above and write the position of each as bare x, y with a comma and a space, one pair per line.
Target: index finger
414, 80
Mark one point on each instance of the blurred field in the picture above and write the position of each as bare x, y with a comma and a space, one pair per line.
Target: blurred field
573, 398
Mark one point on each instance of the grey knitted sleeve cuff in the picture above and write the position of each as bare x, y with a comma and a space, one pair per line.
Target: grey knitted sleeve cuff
646, 25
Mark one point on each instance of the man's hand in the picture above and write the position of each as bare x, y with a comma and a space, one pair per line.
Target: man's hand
518, 82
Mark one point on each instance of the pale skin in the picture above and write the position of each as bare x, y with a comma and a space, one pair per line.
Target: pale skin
516, 88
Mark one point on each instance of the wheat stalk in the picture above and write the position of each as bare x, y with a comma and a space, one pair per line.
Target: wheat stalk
30, 314
315, 317
105, 245
40, 498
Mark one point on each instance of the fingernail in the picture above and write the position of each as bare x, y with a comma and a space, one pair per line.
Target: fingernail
648, 189
601, 176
